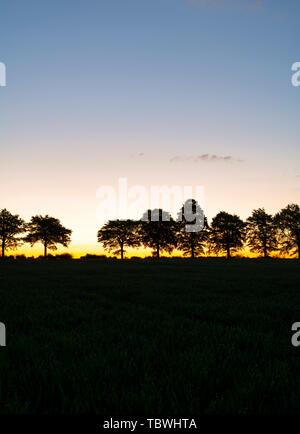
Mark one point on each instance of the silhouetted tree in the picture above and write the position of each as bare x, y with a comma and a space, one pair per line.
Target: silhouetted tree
158, 231
227, 233
48, 231
288, 224
192, 232
261, 232
115, 235
10, 227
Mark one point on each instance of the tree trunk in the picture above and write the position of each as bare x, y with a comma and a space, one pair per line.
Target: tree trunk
3, 248
265, 252
122, 251
298, 250
45, 250
228, 252
157, 250
265, 246
192, 246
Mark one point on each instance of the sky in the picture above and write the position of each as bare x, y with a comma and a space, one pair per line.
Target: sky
160, 92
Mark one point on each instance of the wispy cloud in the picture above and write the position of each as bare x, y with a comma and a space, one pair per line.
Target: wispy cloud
250, 5
137, 156
209, 158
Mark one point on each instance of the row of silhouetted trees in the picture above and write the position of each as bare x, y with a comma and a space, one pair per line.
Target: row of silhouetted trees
262, 233
14, 231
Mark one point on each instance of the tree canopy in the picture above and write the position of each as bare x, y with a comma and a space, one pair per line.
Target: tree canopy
115, 235
261, 232
11, 226
227, 233
192, 242
48, 231
158, 231
288, 223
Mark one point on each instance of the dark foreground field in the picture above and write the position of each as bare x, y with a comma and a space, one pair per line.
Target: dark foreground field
142, 338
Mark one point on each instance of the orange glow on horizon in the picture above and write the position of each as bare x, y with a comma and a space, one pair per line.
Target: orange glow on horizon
78, 251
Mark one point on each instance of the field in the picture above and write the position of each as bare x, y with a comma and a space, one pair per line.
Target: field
177, 337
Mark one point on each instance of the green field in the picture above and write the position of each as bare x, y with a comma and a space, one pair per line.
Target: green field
177, 337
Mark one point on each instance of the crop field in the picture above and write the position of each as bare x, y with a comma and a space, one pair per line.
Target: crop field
147, 337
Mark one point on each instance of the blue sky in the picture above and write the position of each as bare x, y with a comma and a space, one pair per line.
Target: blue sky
92, 84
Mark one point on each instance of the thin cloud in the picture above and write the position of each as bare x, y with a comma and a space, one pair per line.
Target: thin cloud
250, 5
209, 158
137, 156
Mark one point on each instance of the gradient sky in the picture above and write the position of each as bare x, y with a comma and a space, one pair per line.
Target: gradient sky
98, 90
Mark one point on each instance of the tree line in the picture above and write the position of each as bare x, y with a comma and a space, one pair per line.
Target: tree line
262, 233
41, 229
227, 233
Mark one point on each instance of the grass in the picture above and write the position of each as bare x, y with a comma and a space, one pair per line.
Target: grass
177, 337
